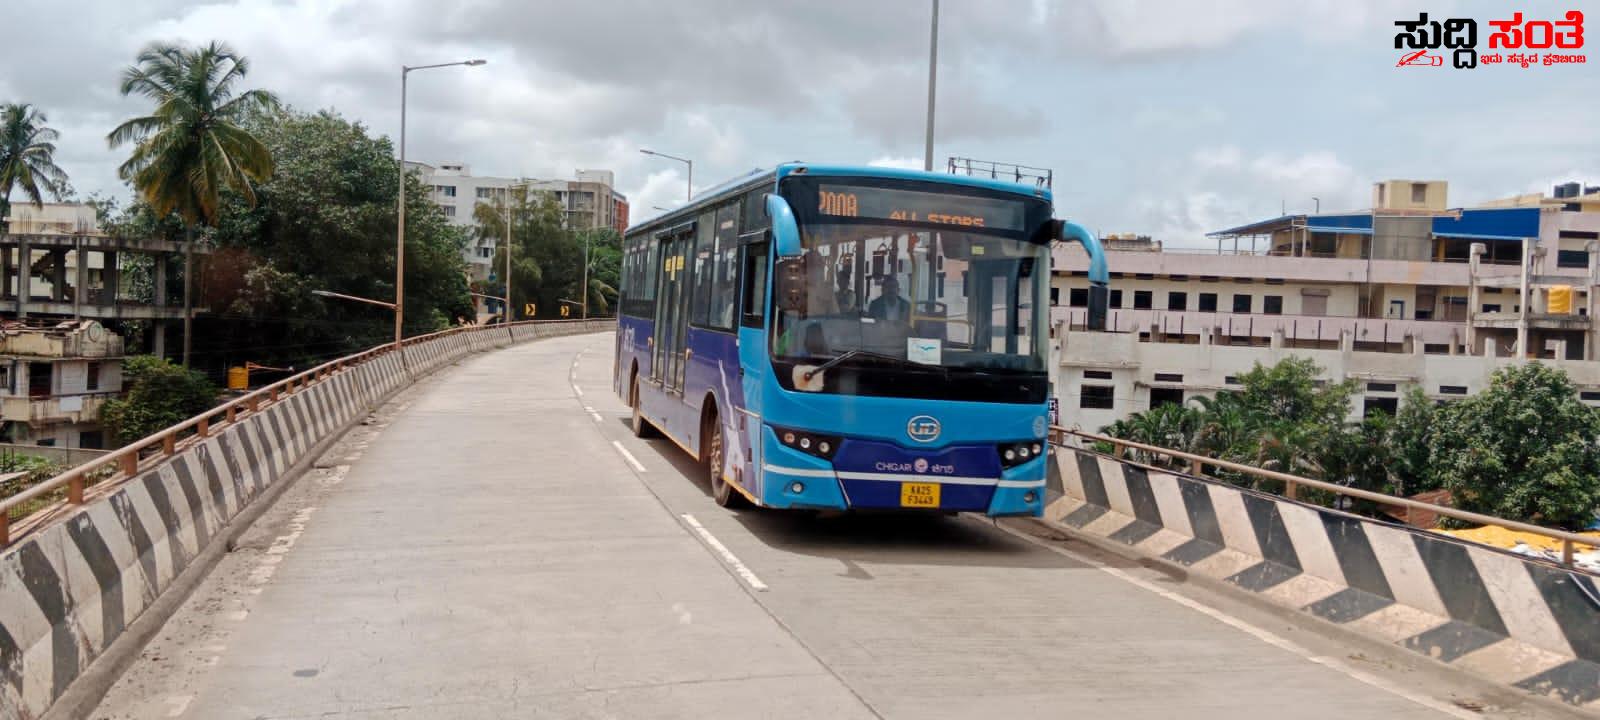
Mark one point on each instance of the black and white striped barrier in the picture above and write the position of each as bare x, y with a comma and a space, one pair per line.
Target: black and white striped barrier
69, 590
1513, 619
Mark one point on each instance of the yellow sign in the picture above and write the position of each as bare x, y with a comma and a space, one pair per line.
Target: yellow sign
919, 495
566, 310
529, 310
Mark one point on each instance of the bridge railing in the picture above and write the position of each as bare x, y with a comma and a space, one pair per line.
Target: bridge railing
1292, 484
35, 506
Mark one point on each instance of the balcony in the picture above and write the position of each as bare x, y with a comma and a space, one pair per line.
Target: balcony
53, 409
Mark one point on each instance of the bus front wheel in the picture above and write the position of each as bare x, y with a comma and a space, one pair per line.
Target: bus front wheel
721, 490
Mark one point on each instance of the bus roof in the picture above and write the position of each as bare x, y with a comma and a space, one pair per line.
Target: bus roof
755, 178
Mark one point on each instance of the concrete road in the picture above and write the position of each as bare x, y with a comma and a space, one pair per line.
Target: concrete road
498, 545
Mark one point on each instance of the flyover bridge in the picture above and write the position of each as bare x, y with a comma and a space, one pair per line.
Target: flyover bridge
491, 541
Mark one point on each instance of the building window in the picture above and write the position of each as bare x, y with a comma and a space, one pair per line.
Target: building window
1208, 302
1165, 396
1097, 374
1116, 299
1169, 377
1096, 397
1230, 380
1373, 404
484, 193
1078, 297
1491, 307
449, 210
1142, 299
1380, 387
41, 377
1589, 395
1272, 304
1055, 297
445, 190
1572, 258
94, 440
93, 382
46, 442
1419, 193
1241, 303
1177, 301
1452, 389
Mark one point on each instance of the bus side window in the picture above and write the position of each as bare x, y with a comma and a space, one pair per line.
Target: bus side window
754, 276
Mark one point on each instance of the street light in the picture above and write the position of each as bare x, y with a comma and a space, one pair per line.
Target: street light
507, 278
400, 234
353, 298
688, 190
933, 72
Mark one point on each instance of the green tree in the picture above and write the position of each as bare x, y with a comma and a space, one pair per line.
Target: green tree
157, 395
193, 144
1524, 449
325, 221
27, 157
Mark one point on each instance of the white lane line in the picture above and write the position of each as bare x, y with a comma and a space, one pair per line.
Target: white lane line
577, 390
597, 417
637, 466
1258, 633
727, 555
179, 704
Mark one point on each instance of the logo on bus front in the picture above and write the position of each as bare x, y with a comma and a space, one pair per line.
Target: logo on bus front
923, 428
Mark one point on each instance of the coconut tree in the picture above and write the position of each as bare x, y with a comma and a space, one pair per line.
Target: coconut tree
27, 162
193, 145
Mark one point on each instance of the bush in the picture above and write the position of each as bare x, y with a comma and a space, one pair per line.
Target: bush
158, 395
1523, 449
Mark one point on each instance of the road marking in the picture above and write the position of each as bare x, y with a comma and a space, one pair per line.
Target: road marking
597, 417
1258, 633
727, 555
577, 390
637, 466
179, 703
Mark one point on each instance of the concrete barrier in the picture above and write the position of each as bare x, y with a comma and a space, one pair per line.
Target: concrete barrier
67, 591
1512, 619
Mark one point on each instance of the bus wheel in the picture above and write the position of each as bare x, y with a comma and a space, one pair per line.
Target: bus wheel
641, 427
721, 490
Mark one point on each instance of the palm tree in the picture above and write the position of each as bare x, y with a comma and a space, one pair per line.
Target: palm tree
192, 145
27, 149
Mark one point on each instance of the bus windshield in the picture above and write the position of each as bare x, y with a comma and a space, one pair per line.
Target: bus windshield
882, 283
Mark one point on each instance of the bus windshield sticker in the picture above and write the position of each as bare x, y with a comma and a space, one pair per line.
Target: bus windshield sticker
923, 350
942, 208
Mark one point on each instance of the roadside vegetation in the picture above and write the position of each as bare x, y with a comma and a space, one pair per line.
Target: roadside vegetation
1526, 448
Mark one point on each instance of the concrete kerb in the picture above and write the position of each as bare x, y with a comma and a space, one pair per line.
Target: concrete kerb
80, 597
1510, 619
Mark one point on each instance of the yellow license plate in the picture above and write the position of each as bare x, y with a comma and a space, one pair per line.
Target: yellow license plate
919, 495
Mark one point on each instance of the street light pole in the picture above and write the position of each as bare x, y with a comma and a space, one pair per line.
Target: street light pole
933, 74
688, 190
400, 232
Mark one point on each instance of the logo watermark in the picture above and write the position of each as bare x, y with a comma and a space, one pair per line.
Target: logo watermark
1458, 37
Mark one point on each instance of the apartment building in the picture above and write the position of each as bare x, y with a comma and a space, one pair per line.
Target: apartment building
589, 201
54, 381
1409, 293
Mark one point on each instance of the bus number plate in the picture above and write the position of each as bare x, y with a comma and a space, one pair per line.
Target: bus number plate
919, 495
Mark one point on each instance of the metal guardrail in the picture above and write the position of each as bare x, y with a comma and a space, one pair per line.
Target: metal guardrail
1292, 483
126, 462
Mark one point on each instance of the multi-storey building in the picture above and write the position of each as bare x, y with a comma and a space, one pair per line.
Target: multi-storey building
54, 380
56, 264
1407, 294
590, 201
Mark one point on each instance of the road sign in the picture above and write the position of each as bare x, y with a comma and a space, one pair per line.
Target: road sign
566, 311
529, 310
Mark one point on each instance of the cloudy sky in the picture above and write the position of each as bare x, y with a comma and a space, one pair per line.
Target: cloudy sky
1168, 118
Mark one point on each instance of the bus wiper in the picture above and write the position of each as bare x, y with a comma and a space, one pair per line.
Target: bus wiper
813, 372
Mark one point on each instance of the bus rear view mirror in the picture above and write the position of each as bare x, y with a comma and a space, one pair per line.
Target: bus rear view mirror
785, 231
791, 284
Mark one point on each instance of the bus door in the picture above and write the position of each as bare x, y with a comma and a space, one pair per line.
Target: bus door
672, 312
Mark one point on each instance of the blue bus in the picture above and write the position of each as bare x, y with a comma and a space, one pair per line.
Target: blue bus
837, 337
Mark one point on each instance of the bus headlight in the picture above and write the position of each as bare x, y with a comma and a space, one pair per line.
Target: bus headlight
1014, 454
810, 443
